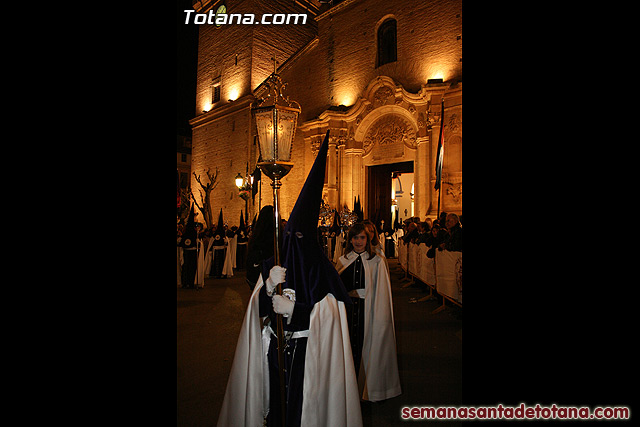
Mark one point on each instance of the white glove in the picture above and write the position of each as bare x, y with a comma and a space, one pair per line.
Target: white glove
282, 305
276, 275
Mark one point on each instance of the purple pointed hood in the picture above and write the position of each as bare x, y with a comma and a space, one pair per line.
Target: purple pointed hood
309, 271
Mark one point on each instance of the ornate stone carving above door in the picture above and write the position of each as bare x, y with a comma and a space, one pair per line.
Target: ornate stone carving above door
388, 136
382, 94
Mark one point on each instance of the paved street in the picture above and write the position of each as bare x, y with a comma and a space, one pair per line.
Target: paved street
208, 322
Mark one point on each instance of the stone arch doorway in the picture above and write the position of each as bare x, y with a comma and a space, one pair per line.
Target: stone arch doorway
388, 136
385, 126
379, 192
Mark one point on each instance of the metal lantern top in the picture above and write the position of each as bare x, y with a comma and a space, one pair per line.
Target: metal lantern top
276, 121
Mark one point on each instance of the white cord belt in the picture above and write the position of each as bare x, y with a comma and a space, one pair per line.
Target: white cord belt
296, 334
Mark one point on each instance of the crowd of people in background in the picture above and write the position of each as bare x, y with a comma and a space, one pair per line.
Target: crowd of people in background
220, 250
244, 247
444, 233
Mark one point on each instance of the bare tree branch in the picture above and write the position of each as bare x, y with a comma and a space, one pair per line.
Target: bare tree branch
205, 198
195, 201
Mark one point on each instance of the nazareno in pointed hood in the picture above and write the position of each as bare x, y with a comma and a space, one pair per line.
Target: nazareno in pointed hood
218, 235
309, 271
189, 233
242, 230
336, 226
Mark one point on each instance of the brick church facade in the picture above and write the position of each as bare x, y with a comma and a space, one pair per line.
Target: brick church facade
373, 72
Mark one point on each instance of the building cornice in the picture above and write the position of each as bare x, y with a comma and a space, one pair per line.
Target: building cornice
335, 9
224, 110
302, 51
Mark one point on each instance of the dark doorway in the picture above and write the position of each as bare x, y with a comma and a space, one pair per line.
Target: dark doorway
379, 181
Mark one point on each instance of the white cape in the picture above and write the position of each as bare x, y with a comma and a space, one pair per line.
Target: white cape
208, 258
378, 378
229, 258
200, 269
330, 390
233, 247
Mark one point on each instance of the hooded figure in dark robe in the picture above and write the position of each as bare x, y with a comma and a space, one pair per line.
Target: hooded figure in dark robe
389, 240
320, 380
334, 232
188, 243
260, 246
242, 239
218, 248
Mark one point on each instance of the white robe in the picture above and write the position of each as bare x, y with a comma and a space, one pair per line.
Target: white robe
200, 269
229, 259
233, 247
378, 378
208, 258
330, 391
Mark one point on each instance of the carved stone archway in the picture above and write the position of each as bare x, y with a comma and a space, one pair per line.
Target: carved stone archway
388, 135
385, 125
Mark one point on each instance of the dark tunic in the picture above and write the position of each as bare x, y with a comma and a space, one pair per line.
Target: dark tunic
389, 247
353, 278
190, 255
189, 267
294, 358
241, 250
219, 253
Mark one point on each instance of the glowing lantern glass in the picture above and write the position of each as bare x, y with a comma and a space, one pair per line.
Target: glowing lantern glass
276, 120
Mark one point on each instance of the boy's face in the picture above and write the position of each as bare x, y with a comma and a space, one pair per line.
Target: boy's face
359, 242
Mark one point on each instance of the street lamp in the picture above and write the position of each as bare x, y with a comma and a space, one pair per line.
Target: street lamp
244, 188
276, 120
239, 181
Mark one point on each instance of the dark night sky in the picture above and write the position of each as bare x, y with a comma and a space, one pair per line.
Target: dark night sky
187, 59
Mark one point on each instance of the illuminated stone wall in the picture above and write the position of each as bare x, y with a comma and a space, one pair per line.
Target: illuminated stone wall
376, 115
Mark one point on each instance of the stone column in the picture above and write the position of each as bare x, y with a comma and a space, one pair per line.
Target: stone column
341, 168
421, 177
332, 173
351, 175
433, 149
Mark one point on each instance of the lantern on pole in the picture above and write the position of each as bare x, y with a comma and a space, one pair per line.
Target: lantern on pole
276, 119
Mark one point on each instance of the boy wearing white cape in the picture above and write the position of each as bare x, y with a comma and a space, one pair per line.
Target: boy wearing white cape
366, 277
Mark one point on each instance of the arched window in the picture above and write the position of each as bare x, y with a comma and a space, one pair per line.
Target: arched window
387, 42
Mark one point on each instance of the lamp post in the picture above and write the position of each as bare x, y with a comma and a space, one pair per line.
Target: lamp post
239, 181
276, 119
244, 187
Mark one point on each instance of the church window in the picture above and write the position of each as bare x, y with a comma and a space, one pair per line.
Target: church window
387, 42
215, 89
